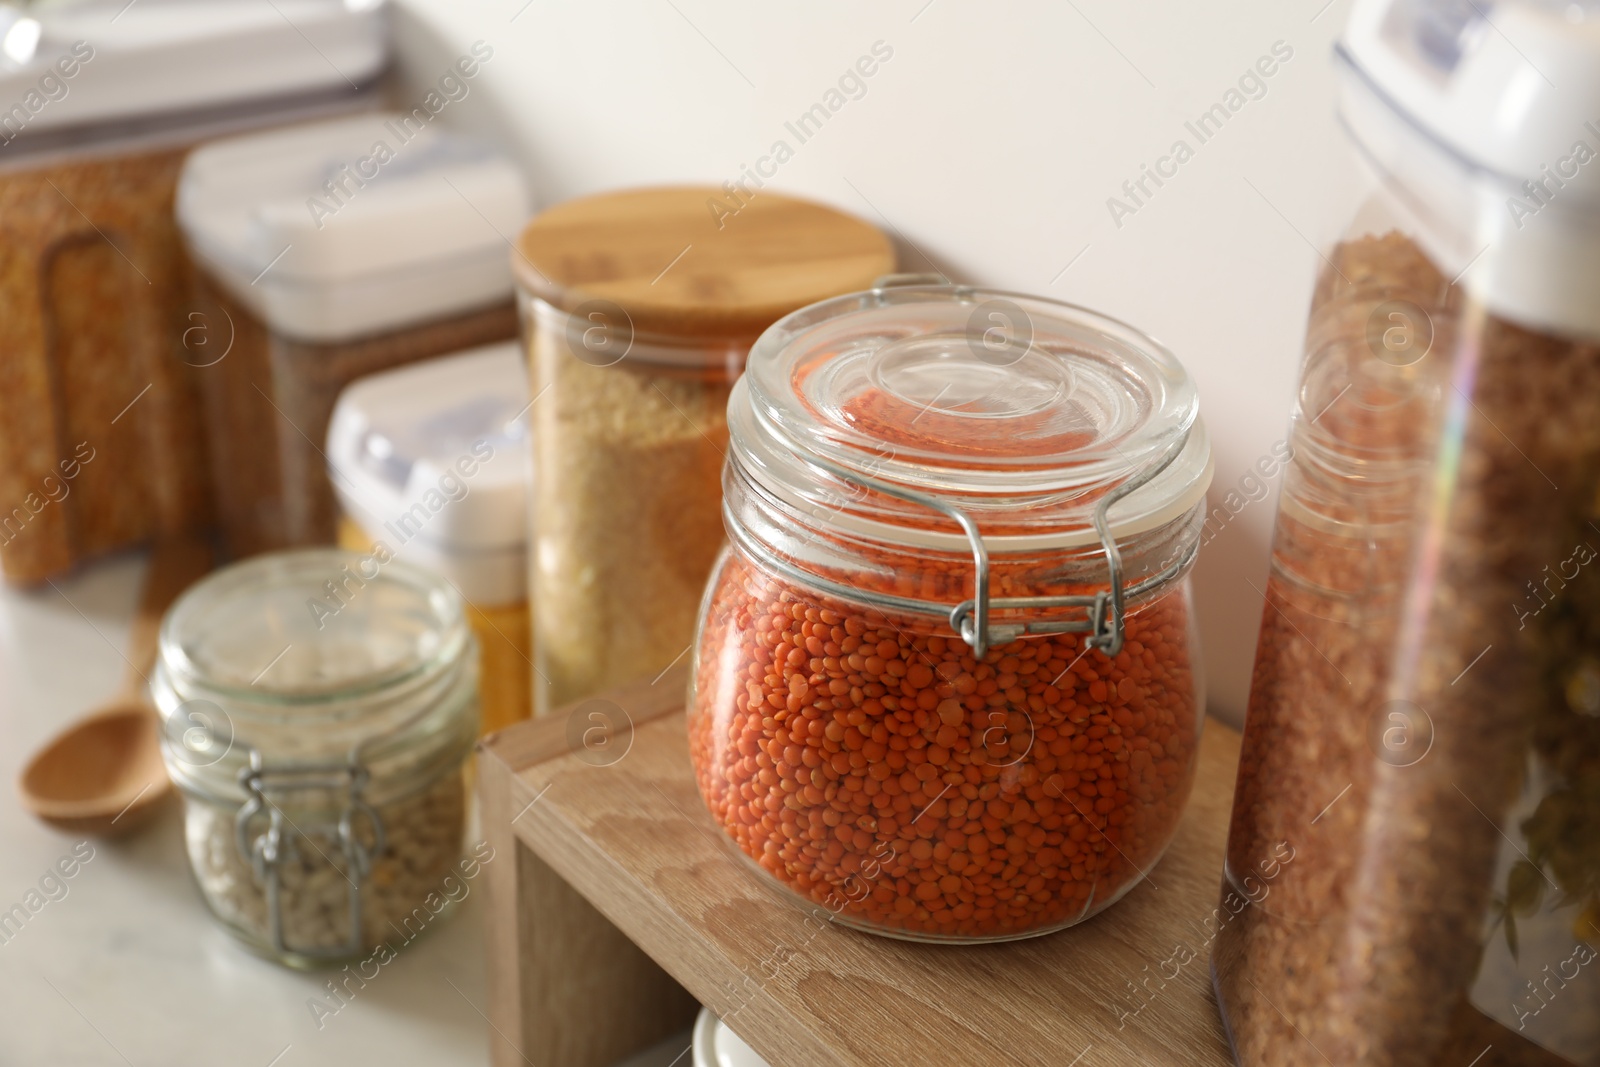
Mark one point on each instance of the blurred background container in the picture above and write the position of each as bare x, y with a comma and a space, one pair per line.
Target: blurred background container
100, 108
331, 251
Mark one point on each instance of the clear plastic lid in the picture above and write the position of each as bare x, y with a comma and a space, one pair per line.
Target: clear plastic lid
1020, 411
1509, 87
364, 196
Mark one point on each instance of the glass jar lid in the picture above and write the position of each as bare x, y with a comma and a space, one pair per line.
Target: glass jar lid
316, 659
1022, 412
946, 420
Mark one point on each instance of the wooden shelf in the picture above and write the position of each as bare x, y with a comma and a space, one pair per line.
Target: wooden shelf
614, 906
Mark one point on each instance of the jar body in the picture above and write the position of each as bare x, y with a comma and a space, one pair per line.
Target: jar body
867, 762
505, 646
317, 921
627, 519
1412, 850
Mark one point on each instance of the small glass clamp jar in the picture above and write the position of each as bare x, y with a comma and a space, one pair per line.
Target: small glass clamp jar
638, 310
946, 683
317, 709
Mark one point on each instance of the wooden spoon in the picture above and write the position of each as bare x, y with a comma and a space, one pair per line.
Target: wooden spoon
103, 775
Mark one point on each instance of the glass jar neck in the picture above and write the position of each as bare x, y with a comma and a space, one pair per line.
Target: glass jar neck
601, 333
806, 543
301, 667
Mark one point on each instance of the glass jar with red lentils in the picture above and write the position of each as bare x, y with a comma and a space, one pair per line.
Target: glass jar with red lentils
946, 684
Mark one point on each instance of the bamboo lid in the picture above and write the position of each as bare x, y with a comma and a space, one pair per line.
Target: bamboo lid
682, 262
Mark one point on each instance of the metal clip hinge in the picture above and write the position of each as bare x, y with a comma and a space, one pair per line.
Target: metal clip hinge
264, 851
971, 618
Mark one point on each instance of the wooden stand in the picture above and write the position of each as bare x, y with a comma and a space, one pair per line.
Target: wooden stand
614, 906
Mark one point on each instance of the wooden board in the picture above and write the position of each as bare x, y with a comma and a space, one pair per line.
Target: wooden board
615, 888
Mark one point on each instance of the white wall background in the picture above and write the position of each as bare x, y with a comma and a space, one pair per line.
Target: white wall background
988, 144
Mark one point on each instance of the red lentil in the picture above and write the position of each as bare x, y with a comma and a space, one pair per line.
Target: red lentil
874, 766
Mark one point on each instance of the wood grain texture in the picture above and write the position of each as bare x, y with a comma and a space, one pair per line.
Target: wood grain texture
690, 261
632, 838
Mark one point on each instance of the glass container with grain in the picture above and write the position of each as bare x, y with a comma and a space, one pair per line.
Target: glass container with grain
430, 462
317, 710
638, 309
1413, 866
946, 685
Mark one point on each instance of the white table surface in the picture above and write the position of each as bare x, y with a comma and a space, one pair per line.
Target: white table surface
129, 968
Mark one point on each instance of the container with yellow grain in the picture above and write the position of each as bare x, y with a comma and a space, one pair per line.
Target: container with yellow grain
638, 310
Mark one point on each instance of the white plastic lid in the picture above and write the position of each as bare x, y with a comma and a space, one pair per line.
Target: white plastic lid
149, 57
432, 460
409, 218
1488, 118
717, 1046
1509, 86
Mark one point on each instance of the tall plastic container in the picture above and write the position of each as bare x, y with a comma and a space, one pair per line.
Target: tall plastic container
102, 442
1413, 867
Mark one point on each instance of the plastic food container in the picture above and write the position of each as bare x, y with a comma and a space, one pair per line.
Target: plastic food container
946, 684
333, 251
101, 438
320, 752
1413, 874
431, 462
639, 308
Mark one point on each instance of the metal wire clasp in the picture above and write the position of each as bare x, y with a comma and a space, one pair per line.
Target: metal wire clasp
970, 618
264, 851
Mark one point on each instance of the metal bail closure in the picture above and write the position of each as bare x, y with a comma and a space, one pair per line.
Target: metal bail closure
970, 618
265, 850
